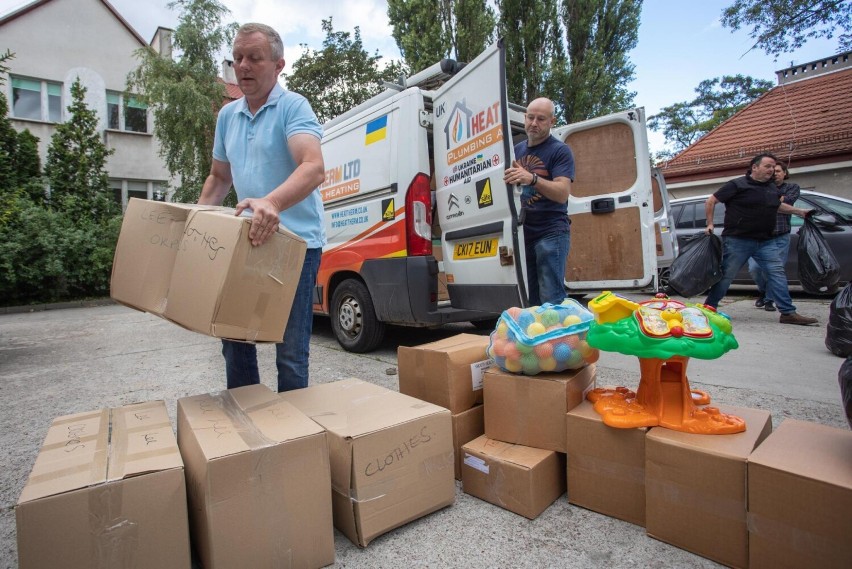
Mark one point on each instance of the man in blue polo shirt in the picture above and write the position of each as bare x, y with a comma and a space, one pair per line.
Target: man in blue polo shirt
267, 145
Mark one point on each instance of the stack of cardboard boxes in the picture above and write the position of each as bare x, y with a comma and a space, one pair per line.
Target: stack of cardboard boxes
509, 451
756, 498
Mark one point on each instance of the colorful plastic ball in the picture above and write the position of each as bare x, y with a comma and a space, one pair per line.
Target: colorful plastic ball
575, 360
510, 336
573, 341
571, 319
501, 362
547, 364
544, 350
524, 348
512, 365
535, 329
510, 351
525, 319
529, 360
592, 356
502, 329
554, 327
550, 317
514, 312
561, 352
585, 348
498, 347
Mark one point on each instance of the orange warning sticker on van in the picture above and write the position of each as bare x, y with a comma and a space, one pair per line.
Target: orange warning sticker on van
475, 249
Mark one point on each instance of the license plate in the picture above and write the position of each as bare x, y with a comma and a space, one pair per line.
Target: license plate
475, 249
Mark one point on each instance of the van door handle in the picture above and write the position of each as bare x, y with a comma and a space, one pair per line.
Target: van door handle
603, 205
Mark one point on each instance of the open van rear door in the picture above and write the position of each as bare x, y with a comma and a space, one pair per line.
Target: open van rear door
611, 207
481, 244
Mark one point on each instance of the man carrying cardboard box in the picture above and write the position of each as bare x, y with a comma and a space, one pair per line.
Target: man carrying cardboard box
267, 145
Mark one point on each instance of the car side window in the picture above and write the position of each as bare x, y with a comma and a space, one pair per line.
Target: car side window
700, 215
795, 220
685, 217
719, 215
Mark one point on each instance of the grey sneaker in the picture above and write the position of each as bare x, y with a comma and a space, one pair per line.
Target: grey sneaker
795, 318
769, 306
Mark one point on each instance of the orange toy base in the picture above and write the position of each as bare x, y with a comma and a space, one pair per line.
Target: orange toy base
663, 399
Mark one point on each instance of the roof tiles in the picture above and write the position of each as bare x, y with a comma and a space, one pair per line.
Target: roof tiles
796, 121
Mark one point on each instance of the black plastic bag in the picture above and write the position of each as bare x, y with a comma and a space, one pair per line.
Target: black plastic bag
838, 333
819, 270
844, 377
698, 266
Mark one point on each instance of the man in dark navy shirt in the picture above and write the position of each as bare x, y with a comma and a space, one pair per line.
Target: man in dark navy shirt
751, 207
544, 166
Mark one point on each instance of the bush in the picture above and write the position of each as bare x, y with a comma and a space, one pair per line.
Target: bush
47, 256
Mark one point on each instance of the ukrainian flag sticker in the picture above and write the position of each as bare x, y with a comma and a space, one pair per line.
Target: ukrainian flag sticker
376, 130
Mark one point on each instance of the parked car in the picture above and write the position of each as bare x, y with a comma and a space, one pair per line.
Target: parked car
834, 218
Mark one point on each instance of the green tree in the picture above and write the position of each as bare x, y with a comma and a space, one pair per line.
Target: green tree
27, 159
185, 94
8, 148
717, 100
339, 76
535, 50
428, 31
600, 35
76, 163
782, 26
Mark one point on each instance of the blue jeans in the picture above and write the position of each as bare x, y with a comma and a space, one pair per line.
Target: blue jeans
293, 353
782, 244
735, 253
546, 259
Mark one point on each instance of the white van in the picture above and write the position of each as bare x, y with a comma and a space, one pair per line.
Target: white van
421, 229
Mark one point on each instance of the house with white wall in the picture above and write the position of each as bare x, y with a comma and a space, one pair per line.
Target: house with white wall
56, 42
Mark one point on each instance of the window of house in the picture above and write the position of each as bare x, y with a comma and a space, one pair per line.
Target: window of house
126, 112
137, 190
37, 100
115, 186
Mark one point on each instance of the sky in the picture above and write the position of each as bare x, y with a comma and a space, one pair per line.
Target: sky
681, 42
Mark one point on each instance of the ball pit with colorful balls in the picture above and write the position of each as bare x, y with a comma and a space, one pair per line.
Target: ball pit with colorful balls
547, 338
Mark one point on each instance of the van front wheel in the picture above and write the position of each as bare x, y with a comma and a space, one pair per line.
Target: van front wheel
353, 318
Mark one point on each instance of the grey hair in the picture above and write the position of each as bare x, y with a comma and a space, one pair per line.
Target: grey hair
272, 37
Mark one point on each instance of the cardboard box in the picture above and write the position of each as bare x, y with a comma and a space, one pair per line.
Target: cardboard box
520, 479
391, 455
530, 410
196, 267
258, 480
800, 498
447, 372
147, 247
606, 466
466, 426
695, 488
107, 490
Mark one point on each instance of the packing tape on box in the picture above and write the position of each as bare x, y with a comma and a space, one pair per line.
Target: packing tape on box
609, 469
676, 493
240, 420
797, 539
95, 461
115, 538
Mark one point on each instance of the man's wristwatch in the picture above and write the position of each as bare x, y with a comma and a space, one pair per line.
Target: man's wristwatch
534, 180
